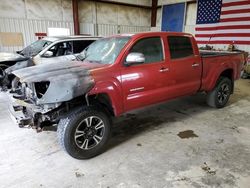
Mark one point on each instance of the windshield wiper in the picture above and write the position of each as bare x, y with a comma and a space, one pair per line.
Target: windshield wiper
79, 57
21, 53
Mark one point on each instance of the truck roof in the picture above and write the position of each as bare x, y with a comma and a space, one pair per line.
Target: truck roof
146, 33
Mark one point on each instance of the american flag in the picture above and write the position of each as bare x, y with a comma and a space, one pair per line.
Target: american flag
223, 22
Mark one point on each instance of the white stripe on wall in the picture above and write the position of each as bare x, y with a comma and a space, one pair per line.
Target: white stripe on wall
236, 7
224, 31
235, 15
224, 38
224, 24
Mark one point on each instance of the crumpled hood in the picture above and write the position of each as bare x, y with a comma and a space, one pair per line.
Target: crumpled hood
6, 56
66, 80
55, 71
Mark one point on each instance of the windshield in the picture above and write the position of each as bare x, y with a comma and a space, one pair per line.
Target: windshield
34, 48
104, 51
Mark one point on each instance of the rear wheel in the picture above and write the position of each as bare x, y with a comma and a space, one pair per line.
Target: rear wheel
220, 95
84, 133
244, 75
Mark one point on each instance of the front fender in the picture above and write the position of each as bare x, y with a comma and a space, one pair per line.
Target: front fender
113, 89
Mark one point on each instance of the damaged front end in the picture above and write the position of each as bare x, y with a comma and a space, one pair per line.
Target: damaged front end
27, 112
48, 92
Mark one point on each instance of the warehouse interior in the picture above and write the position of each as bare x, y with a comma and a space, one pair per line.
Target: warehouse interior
182, 142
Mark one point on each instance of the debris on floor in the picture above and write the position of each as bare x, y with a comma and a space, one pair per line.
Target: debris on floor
219, 141
207, 169
78, 174
187, 134
235, 128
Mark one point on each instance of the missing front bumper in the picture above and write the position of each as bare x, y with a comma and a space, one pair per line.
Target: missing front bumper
28, 115
21, 119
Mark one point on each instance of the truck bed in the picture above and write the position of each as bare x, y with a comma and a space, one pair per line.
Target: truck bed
209, 53
217, 61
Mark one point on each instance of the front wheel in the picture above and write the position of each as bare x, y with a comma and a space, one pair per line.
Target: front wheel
84, 133
220, 95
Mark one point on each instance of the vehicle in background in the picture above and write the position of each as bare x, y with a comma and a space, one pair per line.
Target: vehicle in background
46, 50
116, 75
246, 70
7, 60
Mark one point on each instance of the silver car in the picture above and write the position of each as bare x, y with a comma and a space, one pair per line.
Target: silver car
46, 50
58, 49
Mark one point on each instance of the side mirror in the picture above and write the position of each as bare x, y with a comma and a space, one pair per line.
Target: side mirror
134, 58
48, 54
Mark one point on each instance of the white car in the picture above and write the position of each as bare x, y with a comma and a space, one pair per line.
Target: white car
46, 50
58, 49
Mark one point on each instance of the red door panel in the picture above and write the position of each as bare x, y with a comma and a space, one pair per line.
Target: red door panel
143, 85
185, 67
185, 76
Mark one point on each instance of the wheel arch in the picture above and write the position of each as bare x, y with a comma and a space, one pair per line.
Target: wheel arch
104, 100
228, 72
110, 94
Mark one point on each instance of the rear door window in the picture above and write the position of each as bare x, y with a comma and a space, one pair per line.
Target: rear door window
180, 47
61, 49
80, 45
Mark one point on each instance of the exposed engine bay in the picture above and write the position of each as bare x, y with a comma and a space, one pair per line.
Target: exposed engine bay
48, 91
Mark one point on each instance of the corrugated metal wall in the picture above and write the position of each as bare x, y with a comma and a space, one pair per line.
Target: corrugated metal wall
29, 27
191, 12
106, 29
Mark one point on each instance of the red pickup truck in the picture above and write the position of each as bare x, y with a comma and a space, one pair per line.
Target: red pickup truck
115, 75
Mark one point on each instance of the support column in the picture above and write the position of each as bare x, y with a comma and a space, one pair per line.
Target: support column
76, 17
154, 13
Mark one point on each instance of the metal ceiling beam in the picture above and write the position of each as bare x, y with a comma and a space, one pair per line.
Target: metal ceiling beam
121, 3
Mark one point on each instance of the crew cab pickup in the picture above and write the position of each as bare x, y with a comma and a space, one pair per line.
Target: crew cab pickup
118, 74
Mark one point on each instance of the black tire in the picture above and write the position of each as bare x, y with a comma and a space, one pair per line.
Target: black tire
220, 95
76, 123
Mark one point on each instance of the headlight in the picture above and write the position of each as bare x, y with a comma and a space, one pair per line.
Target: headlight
41, 88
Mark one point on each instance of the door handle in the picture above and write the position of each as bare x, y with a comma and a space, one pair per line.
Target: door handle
195, 65
164, 69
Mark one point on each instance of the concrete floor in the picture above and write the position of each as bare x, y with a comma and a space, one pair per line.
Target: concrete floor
146, 150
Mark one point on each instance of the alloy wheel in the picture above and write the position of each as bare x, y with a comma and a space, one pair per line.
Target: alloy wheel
223, 93
89, 132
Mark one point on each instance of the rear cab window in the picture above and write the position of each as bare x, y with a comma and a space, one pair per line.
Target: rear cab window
180, 47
